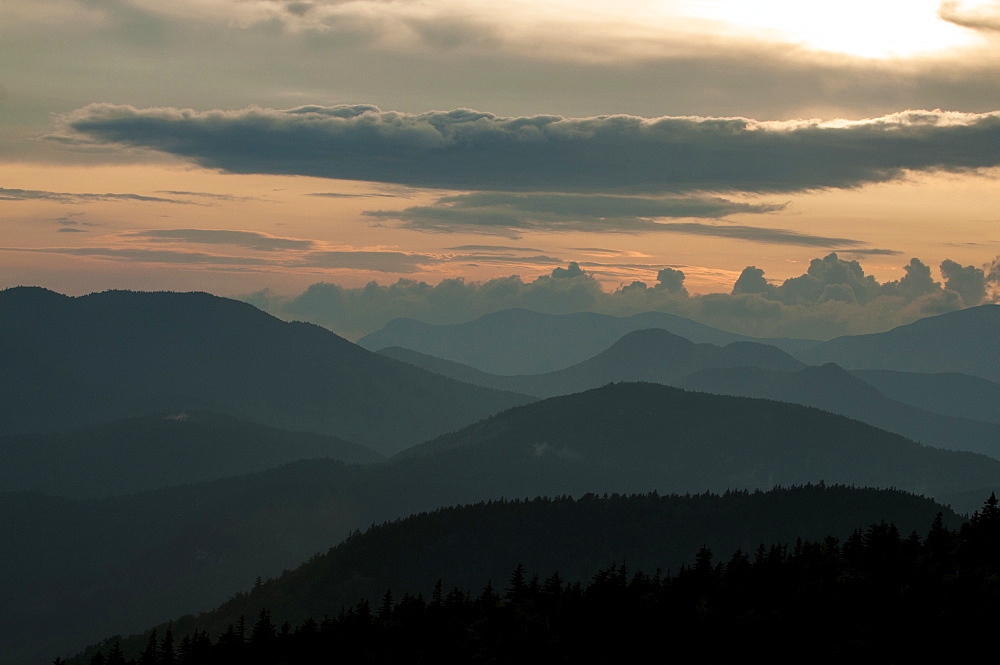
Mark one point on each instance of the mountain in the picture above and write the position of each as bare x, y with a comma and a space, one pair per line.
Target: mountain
77, 570
947, 393
68, 362
965, 341
638, 437
519, 341
449, 368
833, 389
754, 370
149, 452
653, 355
471, 545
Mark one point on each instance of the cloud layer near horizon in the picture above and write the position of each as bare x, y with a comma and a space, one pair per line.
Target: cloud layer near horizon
471, 150
833, 297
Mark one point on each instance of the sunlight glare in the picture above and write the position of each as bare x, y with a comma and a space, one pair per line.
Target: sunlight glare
865, 28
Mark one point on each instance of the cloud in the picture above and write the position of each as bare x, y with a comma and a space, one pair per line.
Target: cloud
872, 252
145, 255
968, 281
467, 149
569, 272
834, 297
71, 220
248, 239
70, 229
501, 221
208, 195
509, 215
834, 279
492, 248
671, 280
381, 261
338, 195
7, 194
975, 16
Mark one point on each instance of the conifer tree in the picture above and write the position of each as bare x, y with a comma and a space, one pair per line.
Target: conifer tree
148, 656
115, 656
167, 656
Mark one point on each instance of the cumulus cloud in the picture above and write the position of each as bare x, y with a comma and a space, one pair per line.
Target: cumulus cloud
834, 297
473, 150
671, 280
570, 271
248, 239
7, 194
968, 281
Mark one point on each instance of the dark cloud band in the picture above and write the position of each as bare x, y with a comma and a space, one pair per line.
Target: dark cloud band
465, 149
509, 215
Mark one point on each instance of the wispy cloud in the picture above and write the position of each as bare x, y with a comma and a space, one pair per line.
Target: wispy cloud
472, 150
145, 255
208, 195
492, 248
339, 195
380, 261
508, 215
248, 239
872, 252
502, 220
7, 194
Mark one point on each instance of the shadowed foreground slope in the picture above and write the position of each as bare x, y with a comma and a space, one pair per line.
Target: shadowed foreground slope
469, 546
80, 570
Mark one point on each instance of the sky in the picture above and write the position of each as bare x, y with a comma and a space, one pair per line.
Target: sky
707, 158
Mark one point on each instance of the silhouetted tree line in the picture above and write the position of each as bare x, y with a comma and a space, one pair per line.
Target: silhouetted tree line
875, 597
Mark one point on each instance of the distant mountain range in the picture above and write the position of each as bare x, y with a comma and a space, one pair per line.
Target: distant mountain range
755, 370
150, 452
105, 394
833, 389
519, 341
69, 362
512, 342
948, 393
81, 569
965, 341
653, 355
